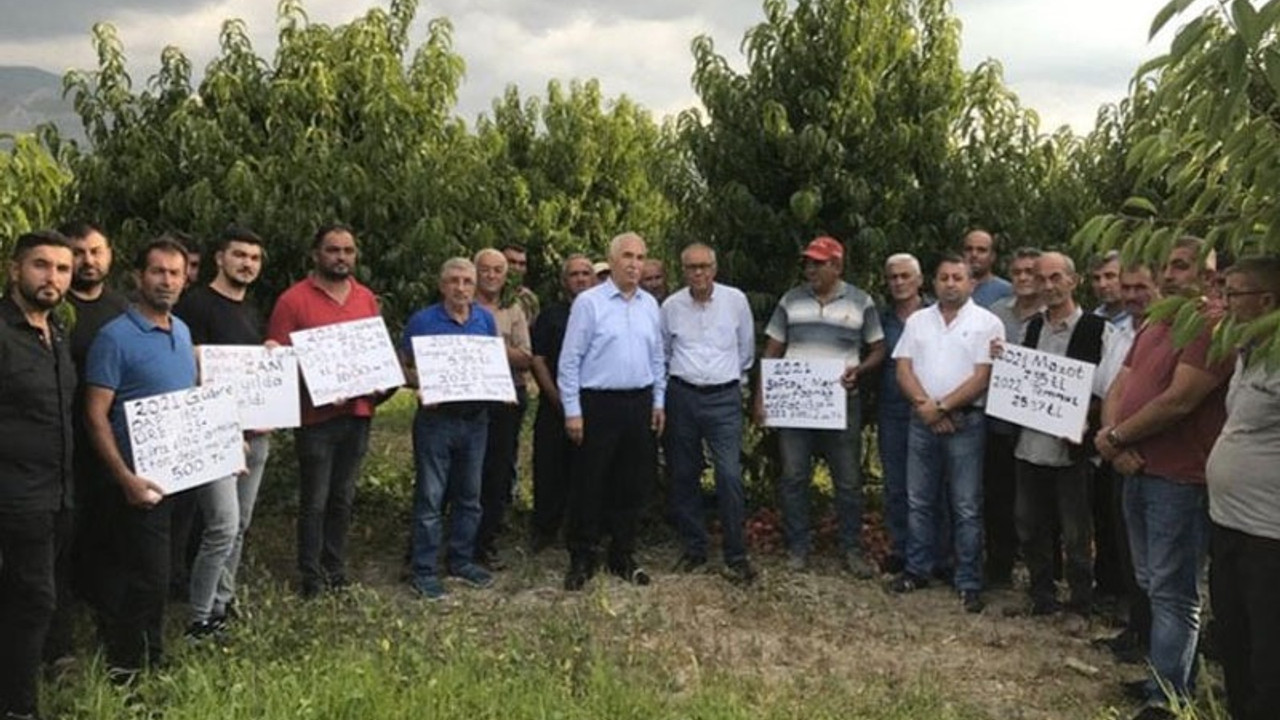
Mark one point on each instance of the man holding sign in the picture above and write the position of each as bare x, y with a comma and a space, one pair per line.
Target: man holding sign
333, 439
1052, 474
144, 352
449, 441
825, 319
944, 363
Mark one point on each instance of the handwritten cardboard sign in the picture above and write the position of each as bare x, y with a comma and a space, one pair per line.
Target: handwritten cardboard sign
347, 360
186, 438
804, 394
454, 368
265, 382
1044, 392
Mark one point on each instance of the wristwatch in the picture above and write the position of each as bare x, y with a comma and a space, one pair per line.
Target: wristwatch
1114, 438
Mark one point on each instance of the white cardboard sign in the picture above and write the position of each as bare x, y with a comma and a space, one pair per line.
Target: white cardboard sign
347, 360
186, 438
454, 368
1044, 392
804, 394
265, 382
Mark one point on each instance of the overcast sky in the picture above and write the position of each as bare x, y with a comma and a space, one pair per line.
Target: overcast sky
1063, 59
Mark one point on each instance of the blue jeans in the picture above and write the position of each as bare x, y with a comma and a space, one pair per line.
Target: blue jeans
1168, 529
714, 416
448, 453
891, 440
842, 449
952, 463
246, 496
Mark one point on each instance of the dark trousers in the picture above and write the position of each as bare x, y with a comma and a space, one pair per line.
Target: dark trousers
1244, 587
1049, 497
496, 477
615, 461
26, 604
139, 585
998, 500
1112, 567
60, 640
329, 458
551, 452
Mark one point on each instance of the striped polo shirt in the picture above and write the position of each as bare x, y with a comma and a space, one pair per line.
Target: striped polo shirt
837, 329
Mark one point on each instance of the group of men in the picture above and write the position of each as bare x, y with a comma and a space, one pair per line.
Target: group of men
623, 369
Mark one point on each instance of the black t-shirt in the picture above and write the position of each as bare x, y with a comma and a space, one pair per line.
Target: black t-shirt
91, 315
548, 334
216, 319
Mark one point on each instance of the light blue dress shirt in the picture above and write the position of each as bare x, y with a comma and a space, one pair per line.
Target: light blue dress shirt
712, 342
612, 343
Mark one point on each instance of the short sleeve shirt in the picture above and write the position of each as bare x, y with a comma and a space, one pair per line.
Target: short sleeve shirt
943, 356
1179, 453
1244, 493
836, 329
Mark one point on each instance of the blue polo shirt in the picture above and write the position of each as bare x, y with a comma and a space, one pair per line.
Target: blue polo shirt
136, 358
434, 320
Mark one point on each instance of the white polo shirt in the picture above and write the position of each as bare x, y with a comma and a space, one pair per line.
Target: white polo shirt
942, 356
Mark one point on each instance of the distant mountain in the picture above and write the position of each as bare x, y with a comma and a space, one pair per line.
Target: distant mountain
30, 96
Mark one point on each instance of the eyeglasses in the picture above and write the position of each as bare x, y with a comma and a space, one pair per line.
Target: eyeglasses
1228, 294
698, 267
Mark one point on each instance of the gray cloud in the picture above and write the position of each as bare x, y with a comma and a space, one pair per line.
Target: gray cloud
29, 20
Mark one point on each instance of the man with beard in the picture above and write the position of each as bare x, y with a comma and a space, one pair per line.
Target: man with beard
144, 352
222, 313
944, 363
333, 439
551, 446
518, 266
84, 535
612, 382
1162, 415
37, 383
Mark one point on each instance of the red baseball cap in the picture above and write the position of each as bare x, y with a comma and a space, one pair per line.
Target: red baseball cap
823, 249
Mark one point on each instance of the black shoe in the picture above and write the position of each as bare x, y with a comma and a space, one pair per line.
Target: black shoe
1125, 647
944, 575
631, 572
489, 560
1135, 690
972, 601
690, 563
740, 572
893, 564
578, 575
338, 583
1043, 606
310, 589
906, 582
201, 631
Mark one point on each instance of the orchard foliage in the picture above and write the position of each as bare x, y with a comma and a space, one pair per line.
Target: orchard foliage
34, 186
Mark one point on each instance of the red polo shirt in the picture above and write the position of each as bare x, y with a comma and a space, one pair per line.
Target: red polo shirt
1180, 452
306, 305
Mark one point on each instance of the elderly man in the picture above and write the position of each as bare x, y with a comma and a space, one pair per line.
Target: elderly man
37, 384
551, 447
825, 318
612, 382
333, 439
998, 486
1052, 474
944, 363
1244, 506
709, 336
1161, 417
498, 477
980, 251
449, 442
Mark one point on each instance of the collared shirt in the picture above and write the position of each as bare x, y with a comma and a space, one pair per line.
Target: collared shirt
835, 329
1241, 472
37, 386
436, 320
305, 305
943, 356
1015, 327
990, 290
1034, 446
1179, 452
892, 403
514, 329
611, 343
1121, 319
135, 358
712, 342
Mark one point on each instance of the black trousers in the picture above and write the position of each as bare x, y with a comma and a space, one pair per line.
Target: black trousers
330, 454
496, 476
998, 499
26, 604
608, 480
551, 453
1112, 566
1049, 497
1244, 587
60, 640
139, 585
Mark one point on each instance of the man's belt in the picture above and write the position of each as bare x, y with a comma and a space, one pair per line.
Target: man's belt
707, 389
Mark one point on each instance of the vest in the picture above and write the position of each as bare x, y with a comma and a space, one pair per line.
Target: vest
1085, 345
